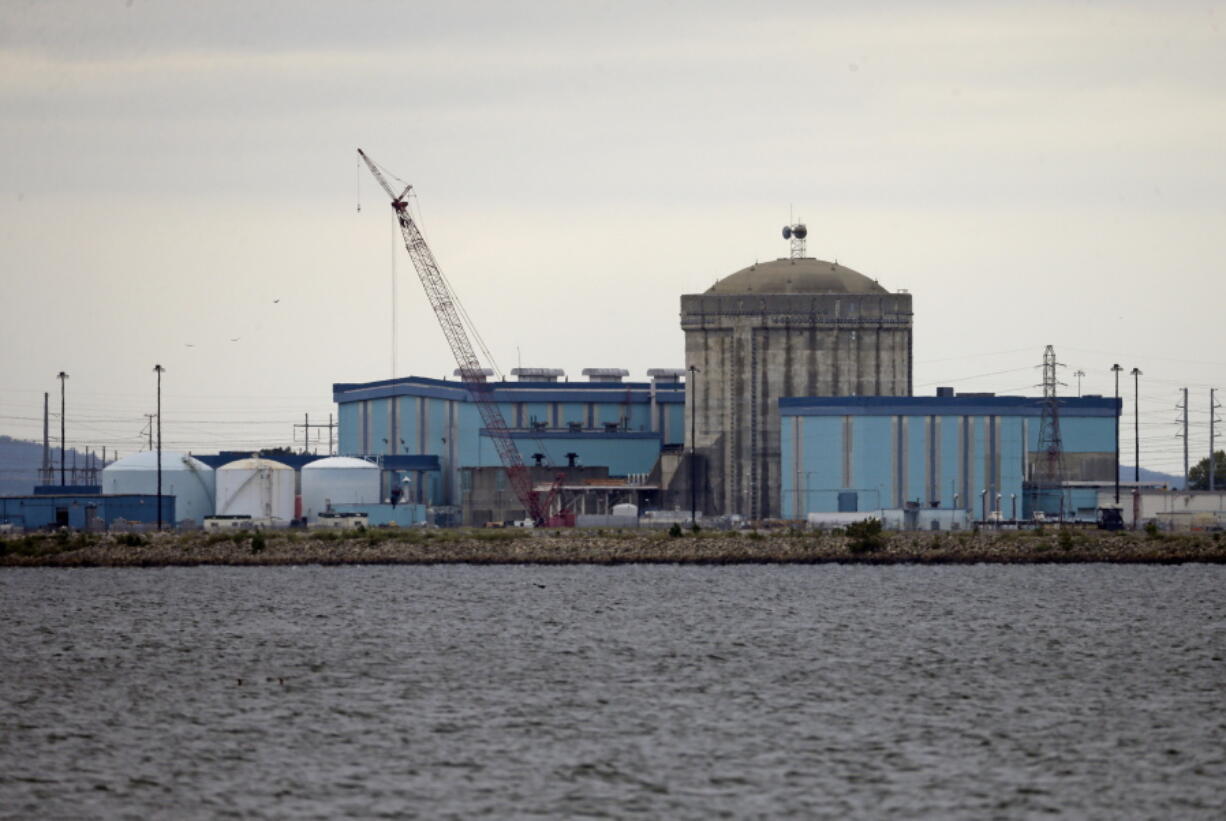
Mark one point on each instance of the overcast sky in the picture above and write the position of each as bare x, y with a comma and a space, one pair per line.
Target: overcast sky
178, 185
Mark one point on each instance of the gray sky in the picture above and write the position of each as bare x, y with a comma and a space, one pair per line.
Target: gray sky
1033, 173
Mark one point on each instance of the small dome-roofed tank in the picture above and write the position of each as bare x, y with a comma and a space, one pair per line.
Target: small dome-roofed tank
184, 477
259, 488
338, 480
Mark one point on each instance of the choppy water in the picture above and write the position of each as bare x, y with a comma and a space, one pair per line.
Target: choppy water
583, 692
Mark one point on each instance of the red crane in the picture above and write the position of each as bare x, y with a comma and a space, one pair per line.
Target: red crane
447, 308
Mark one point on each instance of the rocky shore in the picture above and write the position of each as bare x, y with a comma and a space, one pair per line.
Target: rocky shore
391, 546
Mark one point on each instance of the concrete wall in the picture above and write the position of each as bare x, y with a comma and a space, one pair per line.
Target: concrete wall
751, 350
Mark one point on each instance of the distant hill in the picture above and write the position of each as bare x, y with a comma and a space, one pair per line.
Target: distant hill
1169, 479
20, 461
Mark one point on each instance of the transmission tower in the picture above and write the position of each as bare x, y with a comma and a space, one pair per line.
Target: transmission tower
1047, 475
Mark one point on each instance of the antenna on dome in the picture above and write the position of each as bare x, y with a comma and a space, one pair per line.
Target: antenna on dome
796, 233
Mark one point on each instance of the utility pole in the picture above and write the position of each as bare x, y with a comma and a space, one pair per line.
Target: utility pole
1136, 470
63, 377
149, 419
1213, 406
689, 389
1136, 421
1116, 368
158, 369
46, 476
1184, 436
306, 432
1079, 373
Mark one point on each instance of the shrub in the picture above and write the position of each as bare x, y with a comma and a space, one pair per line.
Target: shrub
1151, 530
694, 527
131, 540
866, 536
257, 542
675, 530
1065, 538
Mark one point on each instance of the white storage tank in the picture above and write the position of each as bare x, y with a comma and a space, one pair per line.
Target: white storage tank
184, 477
260, 488
626, 509
338, 480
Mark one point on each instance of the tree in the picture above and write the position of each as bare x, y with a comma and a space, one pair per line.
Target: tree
1198, 475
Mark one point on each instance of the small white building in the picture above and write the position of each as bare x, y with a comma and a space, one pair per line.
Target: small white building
1170, 509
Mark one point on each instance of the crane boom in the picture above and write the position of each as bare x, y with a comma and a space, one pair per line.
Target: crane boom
446, 308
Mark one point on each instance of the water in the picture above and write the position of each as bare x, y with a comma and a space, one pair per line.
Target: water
583, 692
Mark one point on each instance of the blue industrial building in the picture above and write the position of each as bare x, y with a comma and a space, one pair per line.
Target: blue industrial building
82, 511
969, 452
431, 431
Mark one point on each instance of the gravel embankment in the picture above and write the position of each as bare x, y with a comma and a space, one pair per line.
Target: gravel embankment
608, 547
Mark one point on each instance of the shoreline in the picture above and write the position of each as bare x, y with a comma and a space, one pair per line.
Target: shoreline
561, 547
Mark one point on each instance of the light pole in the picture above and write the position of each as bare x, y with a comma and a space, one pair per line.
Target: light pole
1079, 373
689, 389
1136, 420
159, 369
1116, 368
63, 377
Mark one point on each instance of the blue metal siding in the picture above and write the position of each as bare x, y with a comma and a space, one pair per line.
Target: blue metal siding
379, 426
622, 453
572, 412
872, 462
917, 459
349, 428
949, 482
1081, 435
676, 425
538, 412
36, 512
407, 408
640, 418
1012, 464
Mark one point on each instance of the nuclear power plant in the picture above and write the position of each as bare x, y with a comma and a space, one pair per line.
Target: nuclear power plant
793, 401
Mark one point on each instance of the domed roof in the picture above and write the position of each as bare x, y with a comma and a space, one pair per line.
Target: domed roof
341, 463
796, 276
254, 463
148, 460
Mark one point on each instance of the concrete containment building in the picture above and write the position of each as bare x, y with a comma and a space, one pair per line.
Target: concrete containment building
788, 328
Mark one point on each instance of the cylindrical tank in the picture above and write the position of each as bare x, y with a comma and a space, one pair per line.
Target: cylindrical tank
338, 480
626, 509
259, 488
184, 477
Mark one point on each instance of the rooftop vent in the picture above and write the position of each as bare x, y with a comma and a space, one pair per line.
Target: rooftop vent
666, 374
605, 374
486, 372
537, 374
